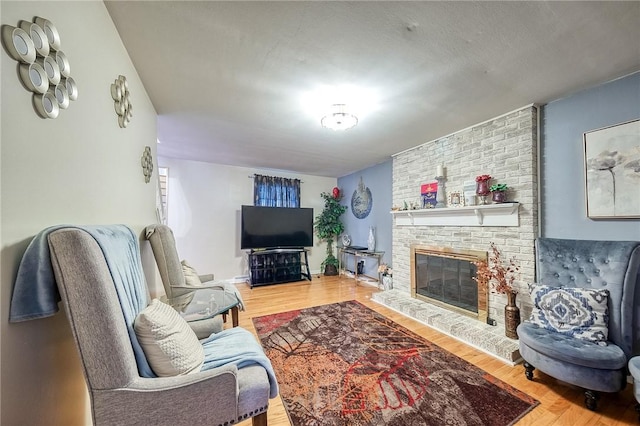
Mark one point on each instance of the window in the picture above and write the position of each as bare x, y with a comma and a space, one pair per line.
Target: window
272, 191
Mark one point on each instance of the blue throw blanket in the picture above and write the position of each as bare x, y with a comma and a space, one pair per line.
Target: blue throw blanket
35, 295
237, 346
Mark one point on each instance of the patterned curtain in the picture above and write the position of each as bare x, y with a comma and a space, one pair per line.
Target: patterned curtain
272, 191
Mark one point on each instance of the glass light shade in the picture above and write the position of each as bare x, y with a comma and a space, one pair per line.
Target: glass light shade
339, 120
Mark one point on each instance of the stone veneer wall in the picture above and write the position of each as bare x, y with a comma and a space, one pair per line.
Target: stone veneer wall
505, 148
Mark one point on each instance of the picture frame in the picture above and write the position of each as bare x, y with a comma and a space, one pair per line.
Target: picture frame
612, 171
456, 199
469, 191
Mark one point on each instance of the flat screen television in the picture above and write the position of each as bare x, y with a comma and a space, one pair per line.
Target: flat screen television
276, 227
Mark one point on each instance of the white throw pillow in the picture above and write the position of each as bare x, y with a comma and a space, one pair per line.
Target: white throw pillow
191, 277
170, 345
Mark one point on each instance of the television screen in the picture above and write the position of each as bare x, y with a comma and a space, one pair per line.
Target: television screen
276, 227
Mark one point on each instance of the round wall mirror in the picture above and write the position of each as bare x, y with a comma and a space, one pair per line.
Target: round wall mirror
20, 44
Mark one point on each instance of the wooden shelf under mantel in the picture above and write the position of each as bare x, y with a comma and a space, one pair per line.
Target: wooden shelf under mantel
504, 214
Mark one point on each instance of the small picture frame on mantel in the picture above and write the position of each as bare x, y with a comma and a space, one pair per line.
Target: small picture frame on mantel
455, 199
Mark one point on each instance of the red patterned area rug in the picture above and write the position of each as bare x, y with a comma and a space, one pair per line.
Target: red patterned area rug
345, 364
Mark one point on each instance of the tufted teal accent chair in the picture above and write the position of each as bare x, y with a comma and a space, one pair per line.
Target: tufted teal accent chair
611, 265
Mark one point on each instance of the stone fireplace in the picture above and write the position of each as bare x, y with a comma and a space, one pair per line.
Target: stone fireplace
506, 148
445, 277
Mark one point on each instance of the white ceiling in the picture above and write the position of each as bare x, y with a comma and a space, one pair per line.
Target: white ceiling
226, 78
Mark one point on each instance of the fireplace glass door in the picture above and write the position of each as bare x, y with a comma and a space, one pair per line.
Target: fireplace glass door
447, 280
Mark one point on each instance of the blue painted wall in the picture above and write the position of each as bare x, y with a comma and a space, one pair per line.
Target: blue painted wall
563, 212
562, 164
378, 179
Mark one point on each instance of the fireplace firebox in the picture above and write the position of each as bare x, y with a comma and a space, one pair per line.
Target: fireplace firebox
445, 277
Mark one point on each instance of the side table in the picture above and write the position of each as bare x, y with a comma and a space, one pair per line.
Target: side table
345, 252
204, 304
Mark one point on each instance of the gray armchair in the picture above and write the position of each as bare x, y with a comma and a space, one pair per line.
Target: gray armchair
102, 288
163, 245
610, 265
176, 285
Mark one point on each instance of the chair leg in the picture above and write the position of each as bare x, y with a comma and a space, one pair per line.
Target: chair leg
591, 399
260, 420
528, 370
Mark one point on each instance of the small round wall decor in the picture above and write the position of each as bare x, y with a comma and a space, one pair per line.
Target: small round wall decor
361, 201
122, 101
147, 163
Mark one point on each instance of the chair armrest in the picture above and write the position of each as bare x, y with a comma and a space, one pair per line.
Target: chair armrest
218, 374
210, 284
205, 278
207, 397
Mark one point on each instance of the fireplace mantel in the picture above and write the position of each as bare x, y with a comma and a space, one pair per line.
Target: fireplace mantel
505, 214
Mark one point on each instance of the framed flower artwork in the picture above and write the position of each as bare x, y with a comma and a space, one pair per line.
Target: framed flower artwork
612, 171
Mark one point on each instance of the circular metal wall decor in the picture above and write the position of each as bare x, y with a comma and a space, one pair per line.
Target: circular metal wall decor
18, 44
34, 77
147, 164
43, 68
122, 101
361, 201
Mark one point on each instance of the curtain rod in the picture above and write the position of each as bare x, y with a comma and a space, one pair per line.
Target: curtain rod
253, 176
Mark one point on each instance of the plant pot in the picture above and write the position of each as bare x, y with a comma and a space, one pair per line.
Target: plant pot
499, 196
330, 270
387, 282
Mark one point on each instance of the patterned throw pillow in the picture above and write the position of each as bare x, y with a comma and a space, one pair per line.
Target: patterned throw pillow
577, 312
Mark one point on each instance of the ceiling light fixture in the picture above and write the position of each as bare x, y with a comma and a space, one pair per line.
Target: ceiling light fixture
339, 119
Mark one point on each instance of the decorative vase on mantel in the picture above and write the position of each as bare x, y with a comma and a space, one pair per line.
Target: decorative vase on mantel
482, 190
511, 316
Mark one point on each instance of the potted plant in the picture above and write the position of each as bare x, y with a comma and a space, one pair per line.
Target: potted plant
387, 276
328, 226
499, 192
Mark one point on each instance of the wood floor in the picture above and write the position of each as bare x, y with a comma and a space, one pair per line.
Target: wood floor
560, 404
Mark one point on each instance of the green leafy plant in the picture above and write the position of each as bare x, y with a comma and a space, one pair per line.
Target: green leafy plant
498, 187
328, 225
